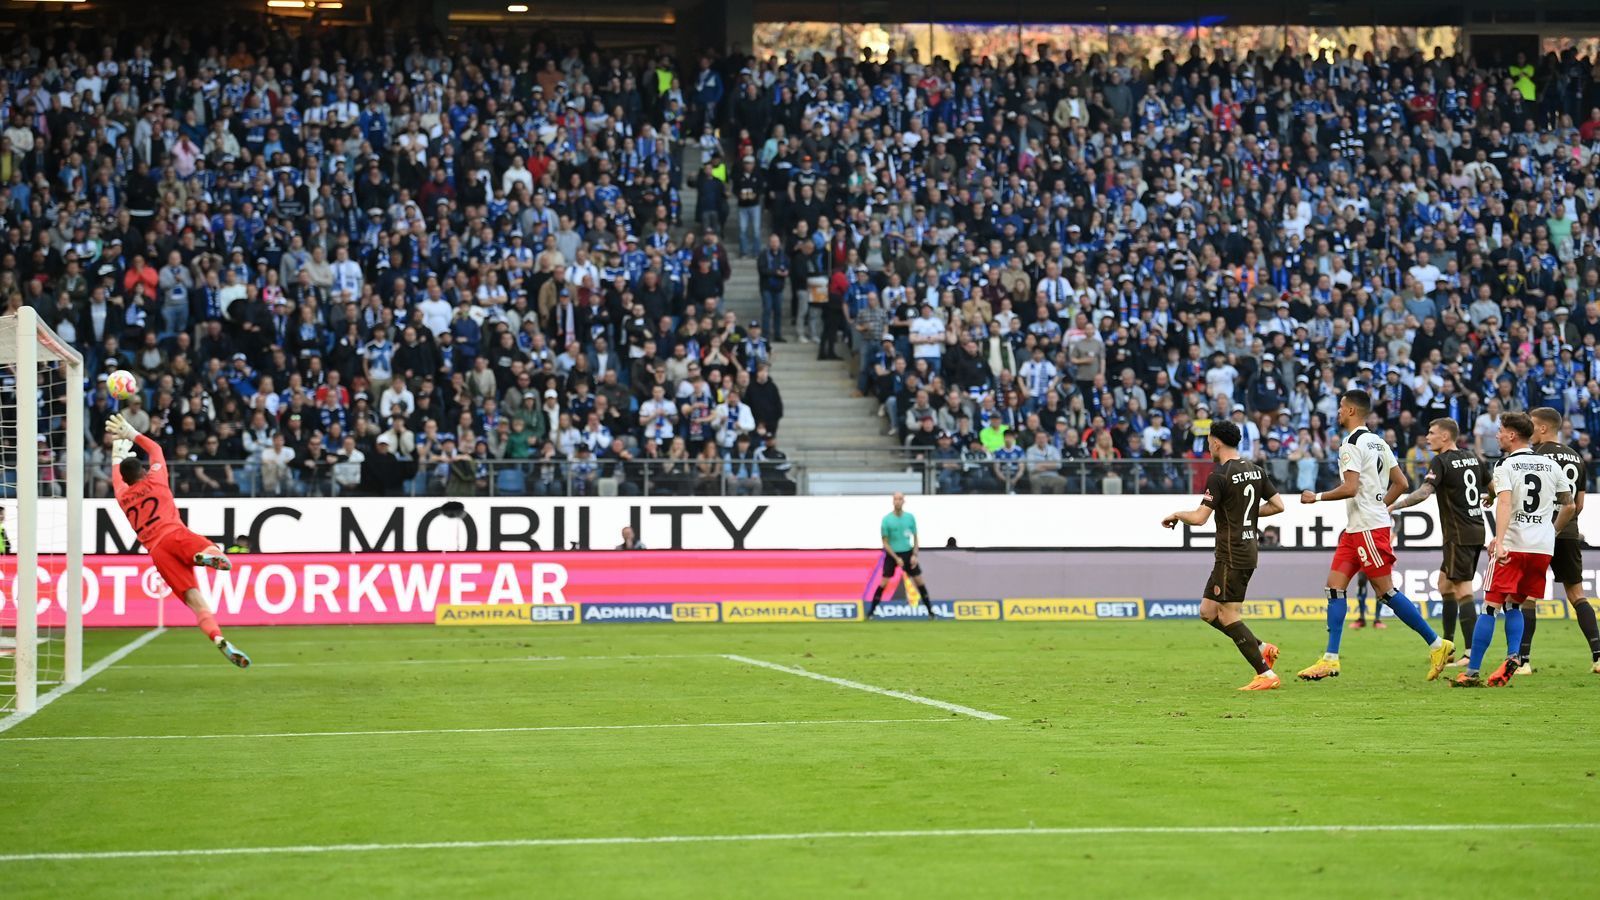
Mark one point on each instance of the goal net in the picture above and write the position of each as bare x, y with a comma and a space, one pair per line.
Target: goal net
41, 512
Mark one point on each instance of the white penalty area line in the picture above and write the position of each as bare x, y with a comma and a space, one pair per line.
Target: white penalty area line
917, 834
511, 729
453, 661
871, 689
101, 665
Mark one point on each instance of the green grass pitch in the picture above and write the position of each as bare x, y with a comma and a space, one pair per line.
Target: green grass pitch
1125, 727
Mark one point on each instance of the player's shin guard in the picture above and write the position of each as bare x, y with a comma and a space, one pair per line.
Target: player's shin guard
1468, 614
1523, 648
1407, 612
1584, 613
1249, 645
1516, 629
1338, 607
1482, 637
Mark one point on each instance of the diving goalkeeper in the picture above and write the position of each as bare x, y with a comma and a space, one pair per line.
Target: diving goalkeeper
145, 495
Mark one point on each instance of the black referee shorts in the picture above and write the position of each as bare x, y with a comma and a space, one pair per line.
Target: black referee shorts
889, 567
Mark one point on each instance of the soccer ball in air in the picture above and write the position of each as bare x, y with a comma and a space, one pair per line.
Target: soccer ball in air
122, 384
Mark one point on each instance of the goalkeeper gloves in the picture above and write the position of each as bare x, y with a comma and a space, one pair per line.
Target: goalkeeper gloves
121, 449
118, 427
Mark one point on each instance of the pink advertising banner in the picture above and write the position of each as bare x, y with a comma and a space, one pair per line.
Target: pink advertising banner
378, 588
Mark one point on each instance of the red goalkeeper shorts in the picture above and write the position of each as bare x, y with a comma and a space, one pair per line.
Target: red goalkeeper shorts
174, 559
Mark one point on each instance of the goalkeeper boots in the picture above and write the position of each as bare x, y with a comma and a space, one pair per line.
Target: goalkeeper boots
212, 558
234, 654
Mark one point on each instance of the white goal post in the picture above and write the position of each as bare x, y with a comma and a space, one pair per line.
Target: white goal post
42, 444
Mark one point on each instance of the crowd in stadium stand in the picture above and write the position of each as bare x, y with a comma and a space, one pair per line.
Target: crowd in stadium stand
358, 262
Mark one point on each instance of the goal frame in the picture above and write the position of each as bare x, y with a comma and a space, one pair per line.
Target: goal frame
32, 342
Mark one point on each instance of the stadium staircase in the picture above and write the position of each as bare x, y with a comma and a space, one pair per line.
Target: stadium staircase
834, 434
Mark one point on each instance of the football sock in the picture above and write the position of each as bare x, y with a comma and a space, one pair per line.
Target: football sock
1516, 625
926, 600
1584, 613
208, 624
1407, 612
1338, 606
1249, 645
1448, 612
1468, 614
1482, 637
877, 597
1530, 620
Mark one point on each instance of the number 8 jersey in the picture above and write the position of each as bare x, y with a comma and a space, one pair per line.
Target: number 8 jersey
1370, 457
1534, 481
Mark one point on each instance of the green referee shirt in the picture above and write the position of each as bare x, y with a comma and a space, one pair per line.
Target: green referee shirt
899, 530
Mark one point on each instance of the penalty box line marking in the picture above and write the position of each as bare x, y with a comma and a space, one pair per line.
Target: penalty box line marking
511, 729
1109, 830
871, 689
461, 661
103, 664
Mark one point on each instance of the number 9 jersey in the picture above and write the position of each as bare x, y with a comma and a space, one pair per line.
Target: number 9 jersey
1369, 456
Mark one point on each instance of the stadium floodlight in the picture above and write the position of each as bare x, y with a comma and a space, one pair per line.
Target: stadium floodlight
41, 496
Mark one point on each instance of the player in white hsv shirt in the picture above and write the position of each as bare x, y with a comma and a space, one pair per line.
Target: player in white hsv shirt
1371, 480
1533, 499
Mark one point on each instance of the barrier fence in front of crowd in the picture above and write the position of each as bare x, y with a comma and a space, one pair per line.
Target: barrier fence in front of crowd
822, 472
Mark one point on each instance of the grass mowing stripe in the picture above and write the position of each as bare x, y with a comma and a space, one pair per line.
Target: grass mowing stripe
511, 729
466, 660
103, 664
1087, 831
871, 689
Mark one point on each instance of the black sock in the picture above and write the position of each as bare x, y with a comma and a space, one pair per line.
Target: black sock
1217, 624
1249, 645
1468, 613
1530, 620
1584, 613
877, 597
1449, 614
926, 600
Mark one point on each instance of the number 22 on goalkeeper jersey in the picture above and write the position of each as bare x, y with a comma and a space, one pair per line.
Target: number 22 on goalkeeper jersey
1369, 456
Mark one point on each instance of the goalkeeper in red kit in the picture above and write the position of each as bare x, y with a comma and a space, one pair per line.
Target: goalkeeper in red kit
144, 493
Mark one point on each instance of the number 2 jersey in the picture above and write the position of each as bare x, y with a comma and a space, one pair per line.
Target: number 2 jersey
1459, 479
1534, 481
1369, 456
1235, 490
148, 503
1577, 472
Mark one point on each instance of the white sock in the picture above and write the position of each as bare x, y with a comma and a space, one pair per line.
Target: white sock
1270, 674
1331, 657
1437, 643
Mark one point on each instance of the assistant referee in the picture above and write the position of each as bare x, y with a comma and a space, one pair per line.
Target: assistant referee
900, 546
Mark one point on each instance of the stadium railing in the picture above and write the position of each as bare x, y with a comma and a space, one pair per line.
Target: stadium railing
656, 478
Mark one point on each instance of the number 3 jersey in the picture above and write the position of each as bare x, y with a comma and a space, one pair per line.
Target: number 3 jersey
1459, 480
1235, 490
1369, 456
1533, 481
